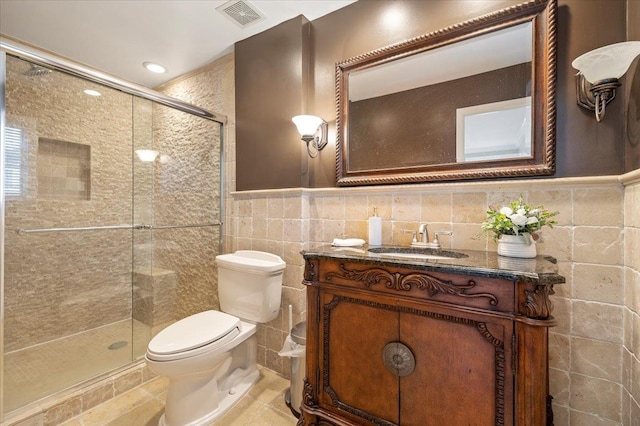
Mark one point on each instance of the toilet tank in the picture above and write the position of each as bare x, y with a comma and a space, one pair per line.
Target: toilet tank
250, 284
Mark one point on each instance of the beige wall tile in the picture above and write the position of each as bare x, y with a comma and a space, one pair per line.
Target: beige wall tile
635, 377
632, 289
597, 396
383, 205
632, 248
562, 313
598, 245
559, 387
597, 321
598, 207
635, 343
627, 339
465, 237
292, 207
634, 412
598, 283
356, 208
559, 351
435, 208
469, 207
259, 228
259, 208
585, 419
333, 229
275, 208
554, 200
245, 227
498, 199
406, 208
292, 230
275, 229
596, 359
556, 242
356, 229
560, 415
334, 208
565, 290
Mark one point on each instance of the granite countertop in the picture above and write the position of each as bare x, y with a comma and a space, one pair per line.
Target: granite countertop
541, 269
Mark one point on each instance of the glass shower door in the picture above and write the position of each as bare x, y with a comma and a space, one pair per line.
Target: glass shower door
177, 199
112, 225
68, 238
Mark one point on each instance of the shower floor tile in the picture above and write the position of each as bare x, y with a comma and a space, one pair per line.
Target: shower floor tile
38, 371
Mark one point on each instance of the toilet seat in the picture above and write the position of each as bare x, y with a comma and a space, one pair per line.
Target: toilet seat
191, 336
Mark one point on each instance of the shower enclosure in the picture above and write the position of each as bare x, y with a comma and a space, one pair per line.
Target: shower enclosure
111, 222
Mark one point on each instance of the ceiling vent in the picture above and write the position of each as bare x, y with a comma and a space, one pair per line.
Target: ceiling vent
242, 12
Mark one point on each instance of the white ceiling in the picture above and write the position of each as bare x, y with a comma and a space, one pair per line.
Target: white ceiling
117, 36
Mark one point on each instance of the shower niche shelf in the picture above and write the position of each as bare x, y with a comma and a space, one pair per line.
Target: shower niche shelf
64, 170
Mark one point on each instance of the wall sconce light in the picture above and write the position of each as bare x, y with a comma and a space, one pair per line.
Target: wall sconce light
598, 74
147, 155
313, 130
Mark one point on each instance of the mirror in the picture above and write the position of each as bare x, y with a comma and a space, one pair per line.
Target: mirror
474, 100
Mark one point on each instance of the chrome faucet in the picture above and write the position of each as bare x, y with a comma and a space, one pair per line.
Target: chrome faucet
424, 233
423, 241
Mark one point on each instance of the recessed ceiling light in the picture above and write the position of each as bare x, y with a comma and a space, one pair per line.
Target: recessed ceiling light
91, 92
158, 69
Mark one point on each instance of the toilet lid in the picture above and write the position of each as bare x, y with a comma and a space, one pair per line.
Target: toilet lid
192, 332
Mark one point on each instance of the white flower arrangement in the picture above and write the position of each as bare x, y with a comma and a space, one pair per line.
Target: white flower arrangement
517, 218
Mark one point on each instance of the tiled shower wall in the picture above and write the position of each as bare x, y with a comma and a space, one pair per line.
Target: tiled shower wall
58, 284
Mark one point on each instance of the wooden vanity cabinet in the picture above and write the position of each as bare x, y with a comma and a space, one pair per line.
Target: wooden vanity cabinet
396, 345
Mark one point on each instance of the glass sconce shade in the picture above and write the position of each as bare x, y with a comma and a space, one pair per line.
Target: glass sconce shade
599, 71
607, 62
307, 125
313, 131
147, 155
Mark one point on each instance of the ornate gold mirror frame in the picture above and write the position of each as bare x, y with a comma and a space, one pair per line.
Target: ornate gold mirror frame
542, 16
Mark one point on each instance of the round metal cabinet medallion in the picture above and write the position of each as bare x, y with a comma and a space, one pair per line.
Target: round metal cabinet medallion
398, 359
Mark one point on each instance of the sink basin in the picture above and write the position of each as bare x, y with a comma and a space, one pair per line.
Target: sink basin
416, 253
414, 256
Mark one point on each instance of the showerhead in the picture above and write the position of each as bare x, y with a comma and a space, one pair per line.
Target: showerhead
37, 70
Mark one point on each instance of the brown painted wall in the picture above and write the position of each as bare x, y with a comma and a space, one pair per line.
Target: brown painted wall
584, 147
632, 91
271, 87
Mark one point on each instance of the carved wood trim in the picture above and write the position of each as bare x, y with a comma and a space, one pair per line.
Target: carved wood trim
405, 282
307, 394
538, 304
311, 270
352, 410
481, 327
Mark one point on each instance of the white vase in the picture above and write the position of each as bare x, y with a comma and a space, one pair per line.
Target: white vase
517, 246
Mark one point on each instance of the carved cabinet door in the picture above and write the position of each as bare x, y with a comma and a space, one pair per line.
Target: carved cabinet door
353, 380
390, 362
463, 369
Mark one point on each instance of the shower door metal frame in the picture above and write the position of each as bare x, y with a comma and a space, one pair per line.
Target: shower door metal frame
41, 57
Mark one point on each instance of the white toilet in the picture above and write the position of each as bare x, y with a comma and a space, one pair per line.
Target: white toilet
210, 357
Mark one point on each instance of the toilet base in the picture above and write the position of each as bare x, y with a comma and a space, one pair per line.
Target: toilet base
225, 404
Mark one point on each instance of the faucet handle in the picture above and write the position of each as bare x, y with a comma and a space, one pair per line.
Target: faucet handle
409, 231
435, 236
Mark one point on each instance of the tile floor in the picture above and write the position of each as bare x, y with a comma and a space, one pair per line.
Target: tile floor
46, 368
142, 406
